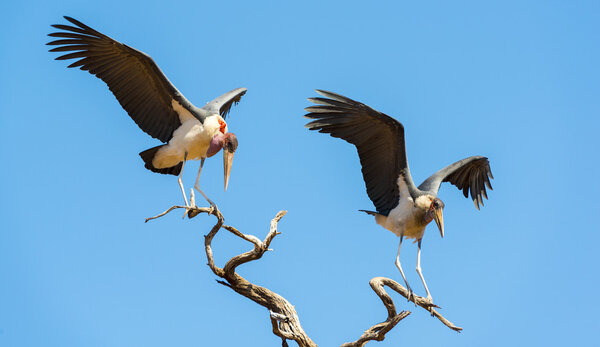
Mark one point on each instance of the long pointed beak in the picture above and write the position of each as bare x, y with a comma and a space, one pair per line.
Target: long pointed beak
227, 161
438, 216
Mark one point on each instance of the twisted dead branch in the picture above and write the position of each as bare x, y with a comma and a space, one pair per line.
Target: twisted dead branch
377, 332
283, 317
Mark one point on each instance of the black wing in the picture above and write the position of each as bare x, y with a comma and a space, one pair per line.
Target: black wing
379, 140
132, 76
471, 174
223, 103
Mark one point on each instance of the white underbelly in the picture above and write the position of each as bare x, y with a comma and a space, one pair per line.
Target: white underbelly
191, 137
404, 218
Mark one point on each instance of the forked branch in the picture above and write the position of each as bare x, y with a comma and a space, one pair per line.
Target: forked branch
283, 317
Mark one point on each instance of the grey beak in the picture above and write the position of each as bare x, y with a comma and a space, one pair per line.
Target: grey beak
227, 162
438, 216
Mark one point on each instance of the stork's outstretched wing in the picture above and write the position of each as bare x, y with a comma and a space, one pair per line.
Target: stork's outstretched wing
132, 76
223, 103
470, 175
379, 140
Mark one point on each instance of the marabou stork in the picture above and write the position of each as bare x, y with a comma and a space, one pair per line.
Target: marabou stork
402, 208
153, 102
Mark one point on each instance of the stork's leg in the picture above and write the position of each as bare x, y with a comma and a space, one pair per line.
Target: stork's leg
181, 182
420, 273
410, 292
197, 186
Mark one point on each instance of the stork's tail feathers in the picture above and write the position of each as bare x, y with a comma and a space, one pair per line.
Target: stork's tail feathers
379, 218
148, 156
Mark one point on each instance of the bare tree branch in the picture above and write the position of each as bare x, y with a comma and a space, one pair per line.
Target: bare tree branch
377, 284
377, 332
283, 317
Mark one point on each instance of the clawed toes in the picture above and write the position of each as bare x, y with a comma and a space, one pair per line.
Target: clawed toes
430, 305
410, 296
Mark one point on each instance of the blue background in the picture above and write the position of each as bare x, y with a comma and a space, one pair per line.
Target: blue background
516, 81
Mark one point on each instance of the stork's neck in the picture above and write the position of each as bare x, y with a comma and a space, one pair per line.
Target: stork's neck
423, 202
422, 205
410, 185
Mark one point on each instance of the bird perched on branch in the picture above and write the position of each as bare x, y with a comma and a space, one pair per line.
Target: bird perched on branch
156, 106
402, 208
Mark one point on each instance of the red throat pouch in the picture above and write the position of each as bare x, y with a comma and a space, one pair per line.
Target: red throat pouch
223, 125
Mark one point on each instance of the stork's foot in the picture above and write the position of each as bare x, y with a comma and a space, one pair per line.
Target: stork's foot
191, 210
411, 294
429, 301
187, 205
429, 305
212, 204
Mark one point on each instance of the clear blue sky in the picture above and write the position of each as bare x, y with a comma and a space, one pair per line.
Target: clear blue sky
516, 81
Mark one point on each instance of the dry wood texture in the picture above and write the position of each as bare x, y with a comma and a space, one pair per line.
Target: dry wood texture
282, 315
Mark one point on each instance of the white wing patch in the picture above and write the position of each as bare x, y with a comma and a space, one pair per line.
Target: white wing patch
183, 113
397, 218
403, 188
405, 219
